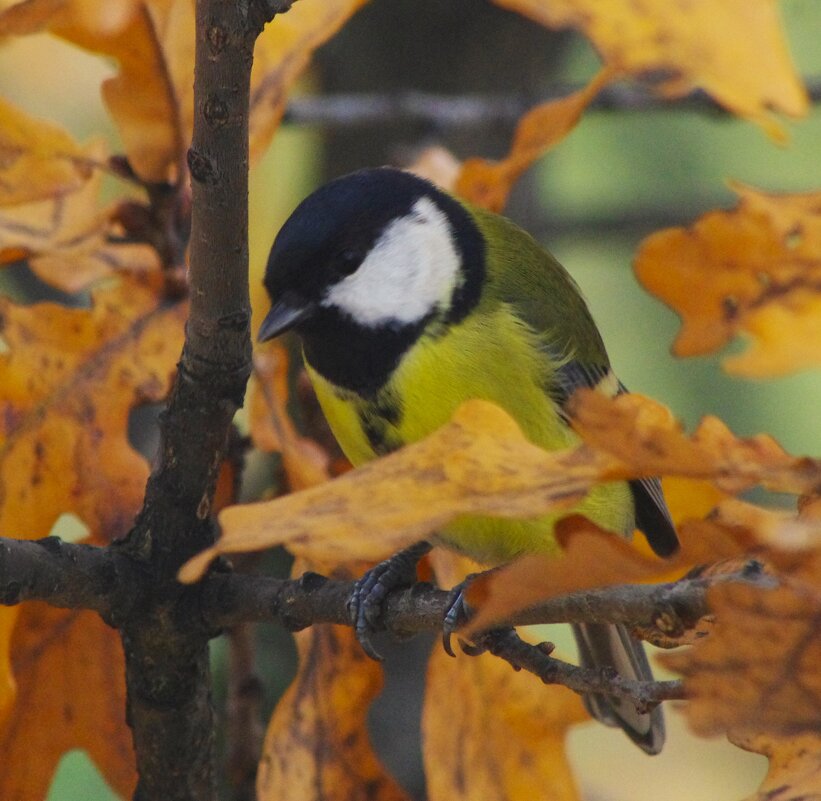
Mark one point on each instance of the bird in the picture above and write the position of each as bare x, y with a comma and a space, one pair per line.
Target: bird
409, 301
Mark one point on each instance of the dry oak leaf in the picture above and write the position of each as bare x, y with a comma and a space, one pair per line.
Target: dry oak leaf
463, 468
488, 183
795, 766
37, 159
491, 734
8, 686
281, 54
758, 270
151, 96
68, 379
68, 241
487, 732
71, 695
317, 746
591, 557
272, 430
734, 533
760, 670
735, 50
789, 543
645, 435
467, 467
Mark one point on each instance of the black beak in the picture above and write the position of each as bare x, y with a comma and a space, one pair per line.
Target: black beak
283, 316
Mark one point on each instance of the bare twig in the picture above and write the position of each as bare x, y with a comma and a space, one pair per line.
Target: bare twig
507, 645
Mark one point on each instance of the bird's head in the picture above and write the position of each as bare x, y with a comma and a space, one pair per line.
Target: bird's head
379, 250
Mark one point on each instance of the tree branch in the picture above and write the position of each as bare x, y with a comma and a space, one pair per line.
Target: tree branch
167, 663
315, 599
80, 576
444, 112
229, 599
536, 659
65, 575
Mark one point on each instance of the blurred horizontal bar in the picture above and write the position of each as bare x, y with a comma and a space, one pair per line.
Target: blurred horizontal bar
459, 111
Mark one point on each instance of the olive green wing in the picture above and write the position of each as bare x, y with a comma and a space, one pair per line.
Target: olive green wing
522, 273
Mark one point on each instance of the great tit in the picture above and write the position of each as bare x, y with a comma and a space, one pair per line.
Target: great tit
409, 302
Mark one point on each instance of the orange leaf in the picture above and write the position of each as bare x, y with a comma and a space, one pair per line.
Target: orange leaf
71, 694
68, 379
592, 557
37, 159
283, 51
491, 733
644, 434
760, 670
735, 50
758, 270
272, 430
67, 240
151, 97
481, 464
8, 686
795, 766
488, 183
317, 747
463, 468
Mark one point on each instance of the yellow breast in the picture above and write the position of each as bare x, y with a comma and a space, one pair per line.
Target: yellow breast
494, 357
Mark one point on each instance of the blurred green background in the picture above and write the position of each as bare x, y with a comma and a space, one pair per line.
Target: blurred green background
617, 178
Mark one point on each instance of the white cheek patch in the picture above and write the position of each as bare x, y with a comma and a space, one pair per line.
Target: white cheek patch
412, 269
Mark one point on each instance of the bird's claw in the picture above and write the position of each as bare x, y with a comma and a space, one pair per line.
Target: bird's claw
458, 613
369, 593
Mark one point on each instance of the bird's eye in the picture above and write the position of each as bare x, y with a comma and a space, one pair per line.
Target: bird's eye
347, 261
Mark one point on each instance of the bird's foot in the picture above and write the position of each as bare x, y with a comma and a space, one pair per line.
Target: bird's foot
458, 614
369, 593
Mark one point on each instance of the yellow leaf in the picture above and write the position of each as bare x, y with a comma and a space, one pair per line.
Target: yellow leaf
282, 53
644, 434
68, 379
272, 430
385, 505
68, 240
317, 746
795, 766
758, 269
481, 464
71, 694
151, 97
735, 49
492, 734
488, 183
37, 159
760, 669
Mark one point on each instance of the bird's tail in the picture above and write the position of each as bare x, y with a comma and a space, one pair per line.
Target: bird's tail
602, 645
